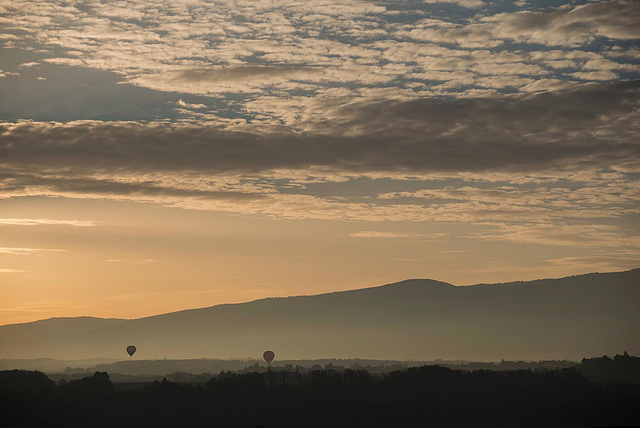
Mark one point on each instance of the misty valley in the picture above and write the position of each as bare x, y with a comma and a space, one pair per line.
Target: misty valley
598, 392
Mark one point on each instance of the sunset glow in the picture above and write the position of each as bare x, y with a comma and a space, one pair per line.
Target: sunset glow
165, 155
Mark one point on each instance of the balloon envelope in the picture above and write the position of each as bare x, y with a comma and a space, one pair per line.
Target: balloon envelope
268, 356
131, 350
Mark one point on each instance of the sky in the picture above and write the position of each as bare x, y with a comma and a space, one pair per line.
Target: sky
164, 155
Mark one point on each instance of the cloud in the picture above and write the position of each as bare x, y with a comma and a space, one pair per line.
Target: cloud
380, 234
137, 262
44, 221
294, 98
11, 271
611, 263
564, 156
471, 4
8, 73
235, 74
546, 85
597, 198
596, 75
111, 185
26, 251
280, 49
564, 234
568, 25
244, 78
594, 125
189, 105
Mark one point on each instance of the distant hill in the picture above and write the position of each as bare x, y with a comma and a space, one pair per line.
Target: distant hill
418, 319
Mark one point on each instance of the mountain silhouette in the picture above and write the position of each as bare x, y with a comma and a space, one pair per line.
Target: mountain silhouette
571, 317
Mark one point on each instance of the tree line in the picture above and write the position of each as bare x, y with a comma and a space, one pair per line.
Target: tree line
428, 396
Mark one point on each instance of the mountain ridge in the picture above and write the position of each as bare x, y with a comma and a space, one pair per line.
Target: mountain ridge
409, 281
571, 317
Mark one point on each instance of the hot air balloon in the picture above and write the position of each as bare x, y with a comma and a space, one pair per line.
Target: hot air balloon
131, 350
268, 356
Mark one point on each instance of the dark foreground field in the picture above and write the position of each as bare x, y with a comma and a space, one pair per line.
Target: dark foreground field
428, 396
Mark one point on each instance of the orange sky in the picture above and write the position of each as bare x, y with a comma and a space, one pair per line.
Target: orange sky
137, 260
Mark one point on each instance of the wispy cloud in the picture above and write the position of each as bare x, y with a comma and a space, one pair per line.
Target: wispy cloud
609, 262
27, 251
381, 234
471, 4
2, 270
562, 234
44, 222
137, 262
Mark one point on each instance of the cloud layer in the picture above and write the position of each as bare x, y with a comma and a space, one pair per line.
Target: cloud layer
596, 127
522, 119
268, 59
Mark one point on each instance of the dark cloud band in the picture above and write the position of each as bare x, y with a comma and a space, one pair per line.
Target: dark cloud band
596, 125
